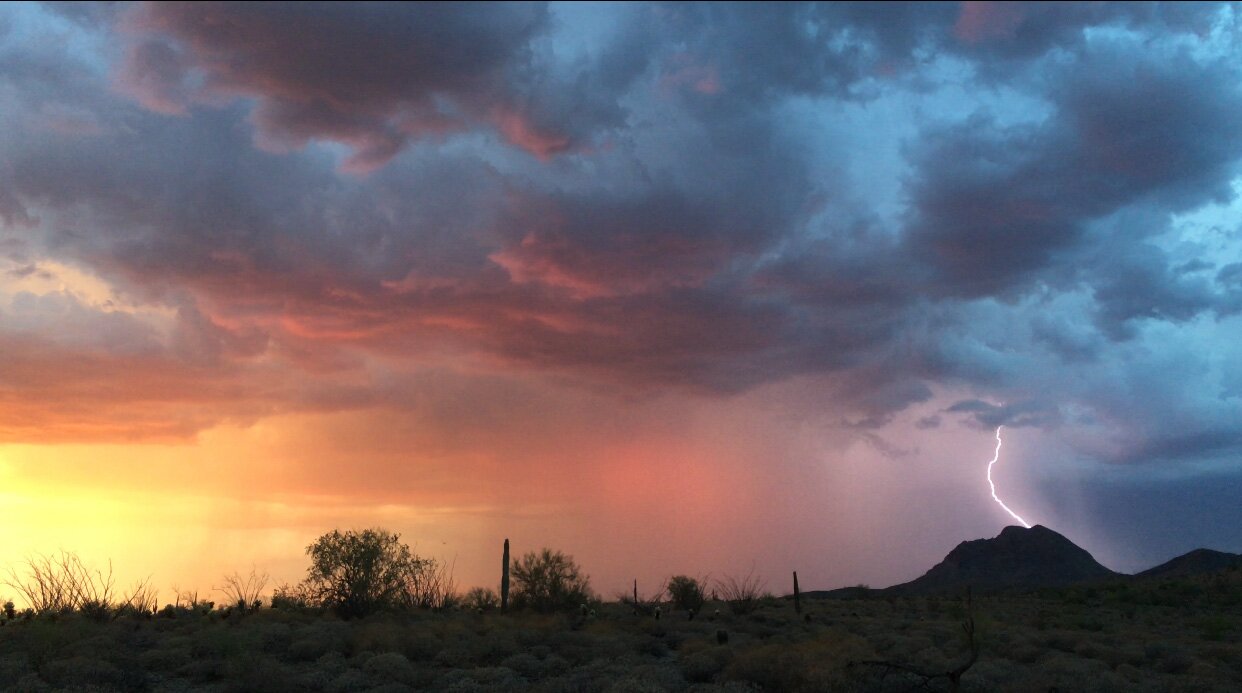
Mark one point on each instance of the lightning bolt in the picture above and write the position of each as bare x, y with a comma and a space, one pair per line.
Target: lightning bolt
996, 457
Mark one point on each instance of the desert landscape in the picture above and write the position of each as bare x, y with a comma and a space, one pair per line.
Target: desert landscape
1024, 611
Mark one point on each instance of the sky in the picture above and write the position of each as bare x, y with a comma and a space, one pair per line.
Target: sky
676, 289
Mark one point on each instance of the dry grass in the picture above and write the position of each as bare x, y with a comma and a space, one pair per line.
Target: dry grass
245, 593
741, 594
62, 584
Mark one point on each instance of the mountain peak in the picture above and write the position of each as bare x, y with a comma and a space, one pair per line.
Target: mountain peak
1193, 563
1018, 557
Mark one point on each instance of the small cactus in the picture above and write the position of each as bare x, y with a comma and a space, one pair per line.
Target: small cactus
797, 595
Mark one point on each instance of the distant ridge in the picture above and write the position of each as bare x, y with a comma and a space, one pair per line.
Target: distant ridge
1017, 558
1195, 562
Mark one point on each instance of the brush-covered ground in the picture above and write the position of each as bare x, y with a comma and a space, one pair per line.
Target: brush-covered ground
1174, 635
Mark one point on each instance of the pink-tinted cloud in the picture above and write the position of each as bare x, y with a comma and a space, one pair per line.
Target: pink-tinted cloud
982, 21
372, 80
684, 72
155, 73
518, 130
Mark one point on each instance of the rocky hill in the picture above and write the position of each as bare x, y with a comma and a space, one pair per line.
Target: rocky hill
1196, 562
1017, 558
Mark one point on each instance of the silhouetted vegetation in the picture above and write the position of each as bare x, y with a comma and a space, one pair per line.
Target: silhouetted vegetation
359, 573
64, 584
742, 594
245, 593
686, 593
1165, 634
549, 581
481, 599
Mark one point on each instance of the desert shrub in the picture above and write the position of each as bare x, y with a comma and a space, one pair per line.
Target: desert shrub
95, 609
647, 678
253, 672
141, 600
348, 681
640, 603
358, 573
480, 679
1158, 650
1178, 662
481, 599
1062, 640
1214, 627
527, 665
389, 667
782, 667
742, 594
494, 647
420, 646
165, 659
309, 648
455, 658
686, 593
704, 665
188, 602
291, 598
244, 593
549, 581
430, 585
81, 671
655, 646
64, 583
377, 637
214, 642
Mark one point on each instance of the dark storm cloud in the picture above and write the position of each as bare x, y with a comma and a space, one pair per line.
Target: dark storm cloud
1138, 283
1016, 414
679, 227
370, 77
999, 33
752, 52
1230, 275
997, 204
927, 422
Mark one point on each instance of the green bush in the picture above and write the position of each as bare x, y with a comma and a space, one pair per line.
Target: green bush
389, 667
549, 581
359, 573
686, 593
481, 599
1214, 627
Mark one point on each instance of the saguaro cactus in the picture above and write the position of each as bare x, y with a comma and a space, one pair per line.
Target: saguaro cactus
504, 580
797, 595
